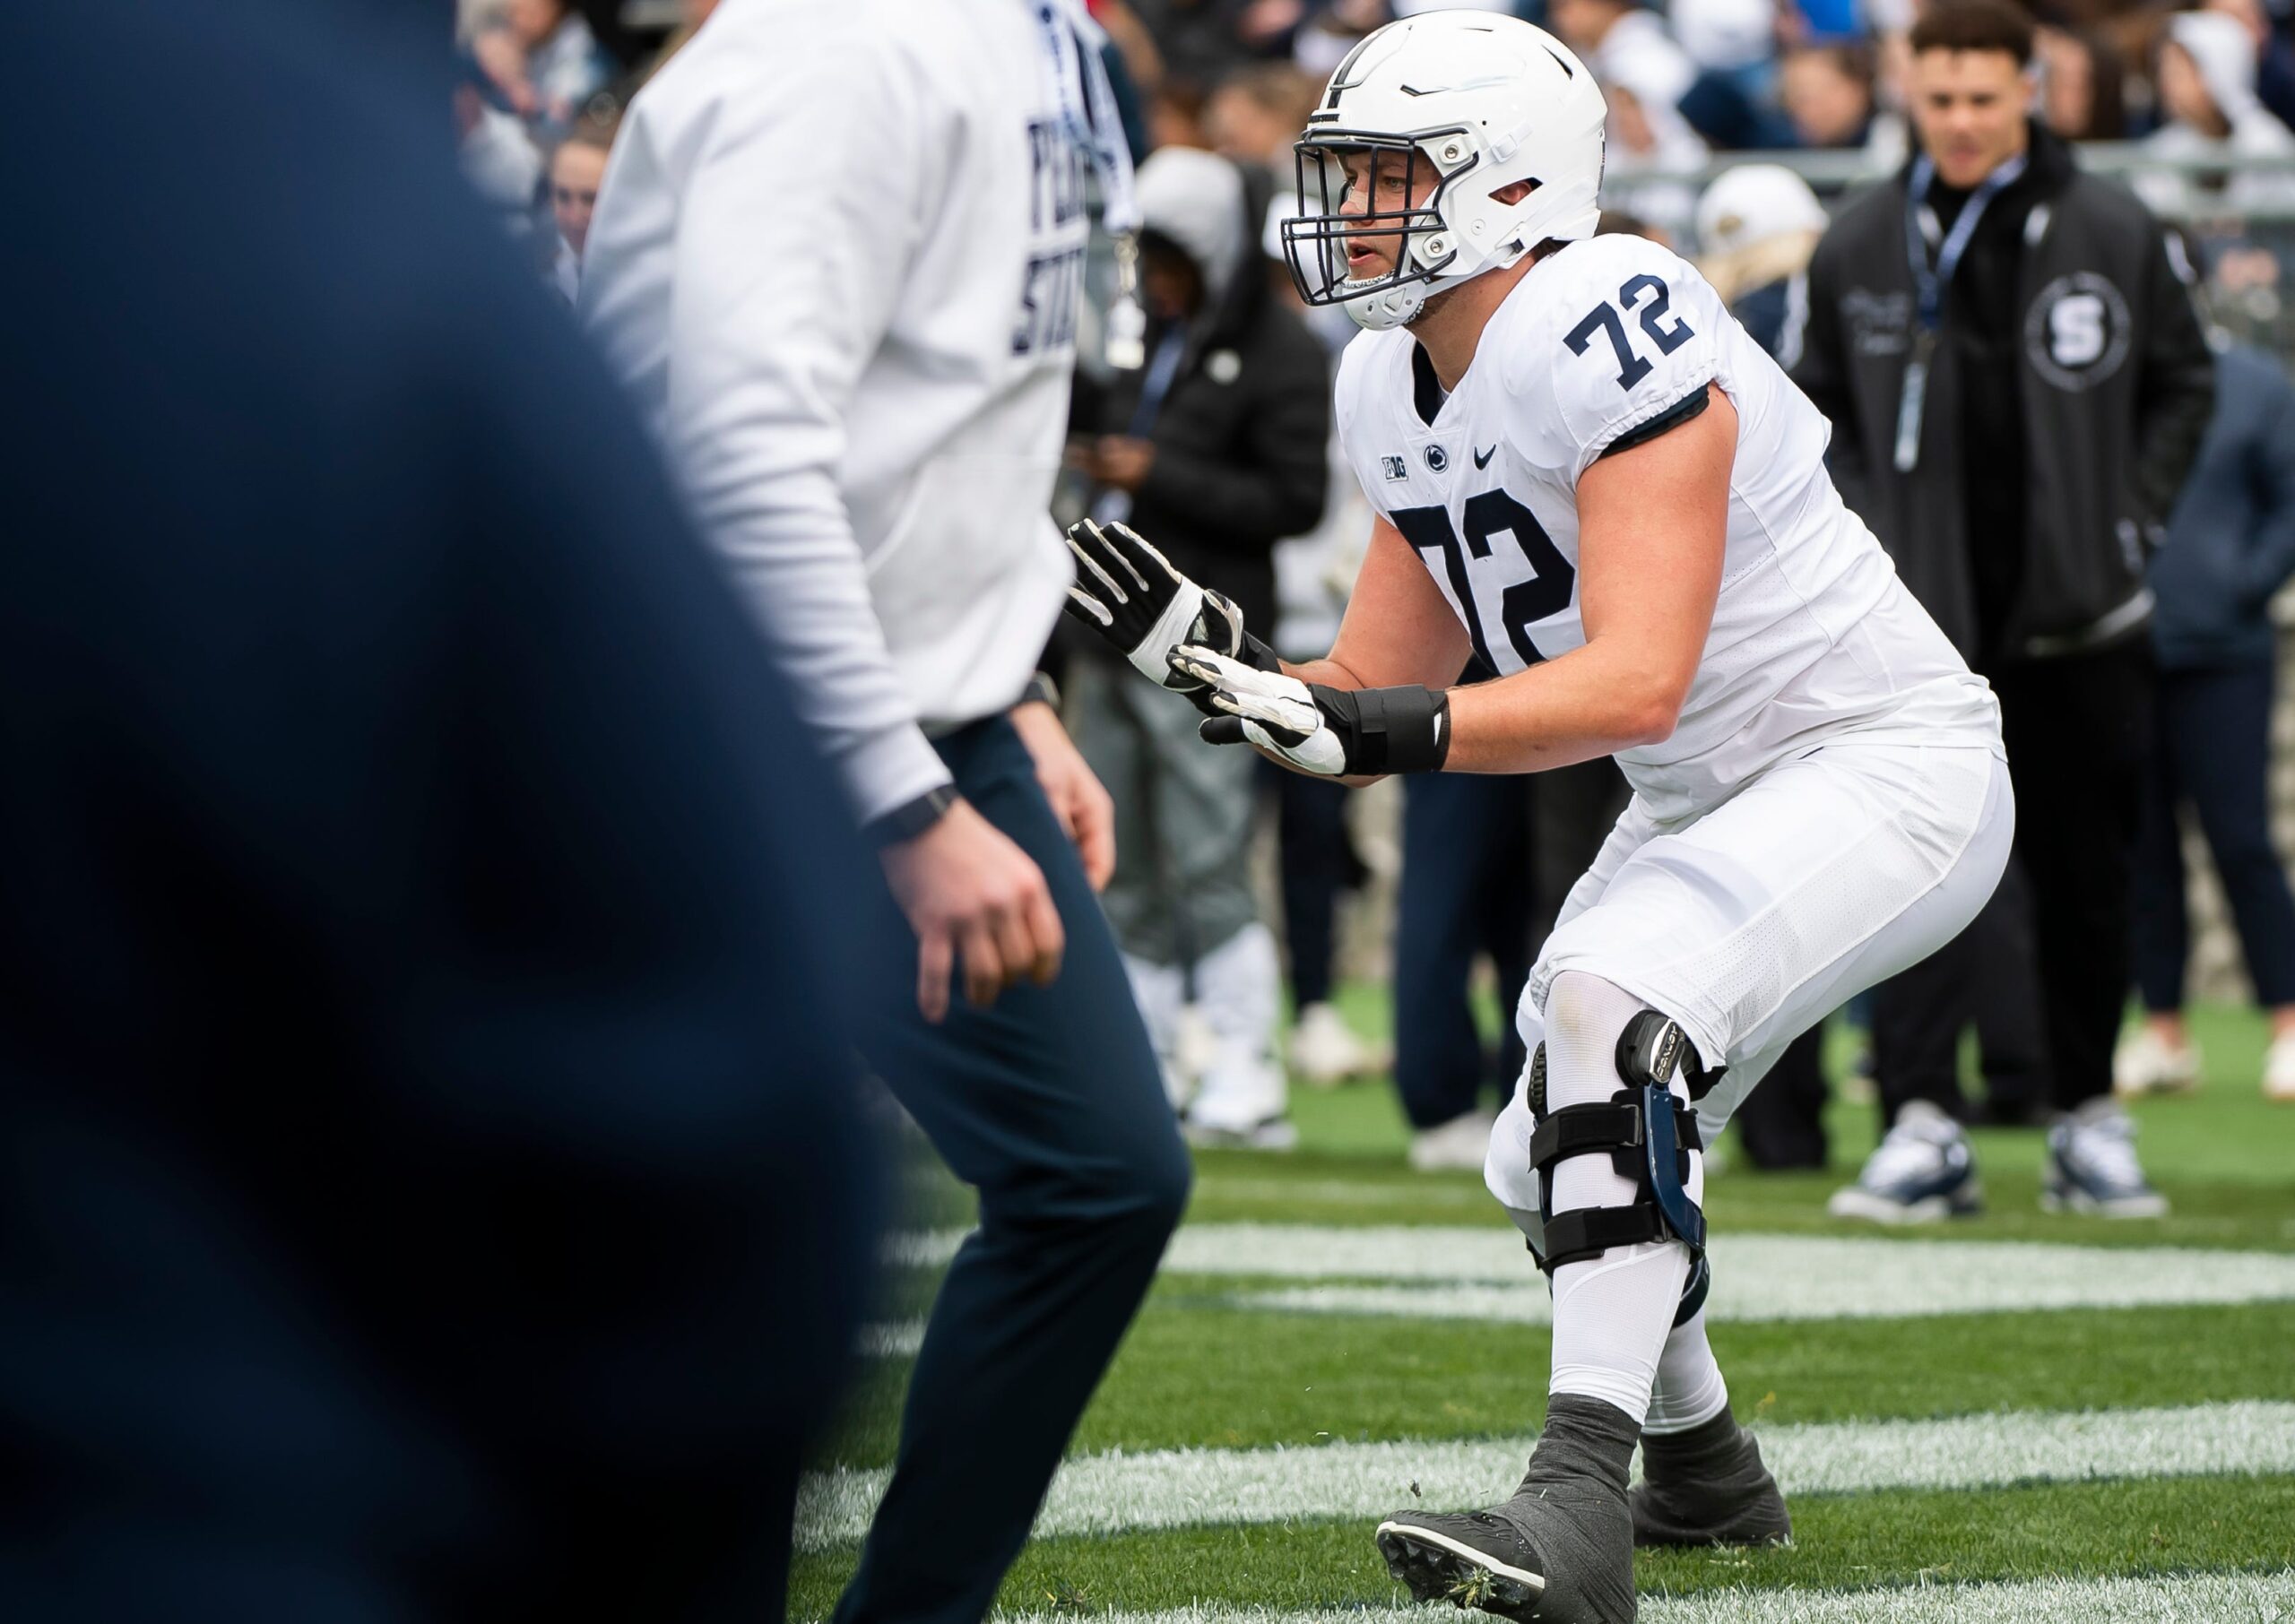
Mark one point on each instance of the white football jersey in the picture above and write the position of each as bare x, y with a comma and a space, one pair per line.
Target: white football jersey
1605, 343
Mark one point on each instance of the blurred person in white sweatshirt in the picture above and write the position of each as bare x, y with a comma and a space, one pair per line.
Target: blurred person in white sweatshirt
843, 282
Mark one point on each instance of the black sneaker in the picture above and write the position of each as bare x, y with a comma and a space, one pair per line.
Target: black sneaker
1707, 1487
1560, 1550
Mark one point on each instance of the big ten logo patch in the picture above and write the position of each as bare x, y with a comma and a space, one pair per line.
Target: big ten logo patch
2078, 332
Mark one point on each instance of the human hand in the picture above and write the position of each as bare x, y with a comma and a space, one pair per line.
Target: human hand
1144, 609
1121, 461
1329, 732
977, 904
1082, 804
504, 61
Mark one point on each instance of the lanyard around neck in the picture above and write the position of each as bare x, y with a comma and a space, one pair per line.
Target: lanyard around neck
1932, 280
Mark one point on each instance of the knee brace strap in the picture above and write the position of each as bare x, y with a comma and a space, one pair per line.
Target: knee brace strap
1649, 1135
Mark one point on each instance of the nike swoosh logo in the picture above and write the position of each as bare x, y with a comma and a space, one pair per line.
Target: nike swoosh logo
1482, 458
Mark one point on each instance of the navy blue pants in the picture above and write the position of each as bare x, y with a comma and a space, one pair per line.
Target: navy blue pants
1467, 888
1317, 863
1050, 1103
2212, 751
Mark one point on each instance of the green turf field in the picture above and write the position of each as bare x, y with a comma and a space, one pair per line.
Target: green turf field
1953, 1410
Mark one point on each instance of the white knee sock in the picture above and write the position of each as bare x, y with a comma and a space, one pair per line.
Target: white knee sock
1689, 1390
1612, 1314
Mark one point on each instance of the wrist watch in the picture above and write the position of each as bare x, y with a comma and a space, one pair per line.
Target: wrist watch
911, 818
1042, 690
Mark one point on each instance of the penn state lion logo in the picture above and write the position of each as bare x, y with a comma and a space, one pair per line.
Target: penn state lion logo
2077, 333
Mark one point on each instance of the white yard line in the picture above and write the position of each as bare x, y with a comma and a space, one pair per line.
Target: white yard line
2227, 1598
1455, 1272
1119, 1493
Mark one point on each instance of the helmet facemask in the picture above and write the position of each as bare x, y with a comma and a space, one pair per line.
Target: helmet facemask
1423, 246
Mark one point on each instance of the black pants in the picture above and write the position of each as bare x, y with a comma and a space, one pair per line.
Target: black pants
2214, 751
2008, 1004
1050, 1103
1781, 1123
2078, 734
1317, 862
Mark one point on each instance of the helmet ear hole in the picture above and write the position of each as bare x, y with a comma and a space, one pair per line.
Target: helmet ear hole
1513, 191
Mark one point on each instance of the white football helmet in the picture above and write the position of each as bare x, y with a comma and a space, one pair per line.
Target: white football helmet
1473, 100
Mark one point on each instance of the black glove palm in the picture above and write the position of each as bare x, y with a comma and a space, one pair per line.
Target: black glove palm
1130, 593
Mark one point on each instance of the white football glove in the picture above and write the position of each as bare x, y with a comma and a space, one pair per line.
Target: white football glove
1130, 593
1332, 732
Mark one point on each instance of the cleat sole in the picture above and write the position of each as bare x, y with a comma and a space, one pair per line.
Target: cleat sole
1435, 1567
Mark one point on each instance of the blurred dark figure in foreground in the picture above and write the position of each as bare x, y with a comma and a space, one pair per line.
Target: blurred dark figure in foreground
433, 1188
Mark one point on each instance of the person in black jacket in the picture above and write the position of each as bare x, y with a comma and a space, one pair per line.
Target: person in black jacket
2018, 384
436, 1186
1217, 448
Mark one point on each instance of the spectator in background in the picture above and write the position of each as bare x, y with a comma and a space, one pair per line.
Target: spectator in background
1253, 118
1468, 892
1175, 116
861, 366
1756, 227
546, 61
2231, 545
1255, 115
2207, 89
2083, 85
1314, 575
1736, 38
576, 170
2012, 419
1214, 450
1827, 91
436, 1184
1630, 48
1646, 155
497, 158
1198, 42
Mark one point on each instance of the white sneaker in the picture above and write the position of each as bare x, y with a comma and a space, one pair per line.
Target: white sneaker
1232, 1119
1325, 1051
2279, 1071
2091, 1166
1921, 1172
1461, 1143
2144, 1065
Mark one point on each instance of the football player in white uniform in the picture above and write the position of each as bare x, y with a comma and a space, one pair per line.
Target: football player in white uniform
1589, 475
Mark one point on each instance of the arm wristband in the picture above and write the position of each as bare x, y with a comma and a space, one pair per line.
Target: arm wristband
911, 818
1397, 730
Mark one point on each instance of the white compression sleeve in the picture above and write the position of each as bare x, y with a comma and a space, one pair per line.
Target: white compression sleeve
1612, 1314
1689, 1390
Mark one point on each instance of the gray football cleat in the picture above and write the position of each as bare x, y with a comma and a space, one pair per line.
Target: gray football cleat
1561, 1549
1707, 1486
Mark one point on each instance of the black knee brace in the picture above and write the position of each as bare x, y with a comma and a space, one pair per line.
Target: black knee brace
1649, 1135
